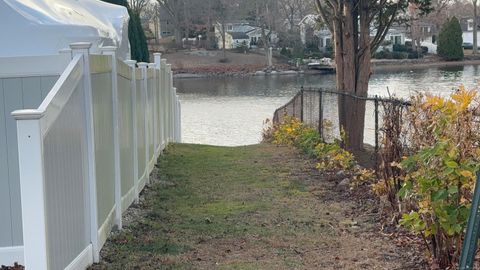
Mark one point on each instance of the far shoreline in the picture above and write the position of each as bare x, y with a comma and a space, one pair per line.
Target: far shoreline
378, 66
401, 65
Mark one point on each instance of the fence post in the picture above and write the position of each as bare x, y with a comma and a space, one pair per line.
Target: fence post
83, 49
170, 97
158, 126
173, 100
164, 102
179, 120
320, 114
469, 247
175, 115
110, 51
133, 85
376, 132
31, 169
301, 105
153, 66
143, 68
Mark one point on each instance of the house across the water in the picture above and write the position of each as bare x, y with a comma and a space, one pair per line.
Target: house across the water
467, 30
312, 31
242, 33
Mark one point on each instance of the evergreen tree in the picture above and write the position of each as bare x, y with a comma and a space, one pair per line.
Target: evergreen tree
136, 35
450, 41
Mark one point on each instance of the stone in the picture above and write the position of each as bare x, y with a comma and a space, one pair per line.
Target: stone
344, 183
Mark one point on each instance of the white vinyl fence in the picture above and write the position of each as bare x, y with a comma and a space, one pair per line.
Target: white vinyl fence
84, 155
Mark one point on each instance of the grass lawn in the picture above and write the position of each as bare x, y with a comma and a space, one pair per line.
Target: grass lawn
252, 207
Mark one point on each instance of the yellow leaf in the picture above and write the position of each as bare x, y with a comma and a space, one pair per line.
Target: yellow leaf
467, 174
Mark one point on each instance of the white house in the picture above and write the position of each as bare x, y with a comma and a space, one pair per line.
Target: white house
311, 32
238, 33
396, 36
467, 29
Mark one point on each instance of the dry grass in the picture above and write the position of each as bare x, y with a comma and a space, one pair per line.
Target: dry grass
253, 207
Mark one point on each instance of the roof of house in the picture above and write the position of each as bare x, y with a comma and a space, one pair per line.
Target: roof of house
242, 28
310, 19
464, 23
239, 35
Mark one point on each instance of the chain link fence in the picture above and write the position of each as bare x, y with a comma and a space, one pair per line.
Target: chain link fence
319, 108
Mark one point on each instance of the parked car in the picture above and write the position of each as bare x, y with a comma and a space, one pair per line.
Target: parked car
467, 46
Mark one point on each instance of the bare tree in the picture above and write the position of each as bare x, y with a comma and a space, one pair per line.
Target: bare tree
151, 12
459, 9
475, 26
415, 30
138, 6
350, 23
263, 15
174, 8
221, 11
294, 10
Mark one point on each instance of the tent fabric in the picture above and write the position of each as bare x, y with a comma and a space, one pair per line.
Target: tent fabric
44, 27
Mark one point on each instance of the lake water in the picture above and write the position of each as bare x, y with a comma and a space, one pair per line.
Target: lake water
230, 111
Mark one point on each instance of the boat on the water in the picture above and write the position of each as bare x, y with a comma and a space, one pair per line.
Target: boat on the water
324, 65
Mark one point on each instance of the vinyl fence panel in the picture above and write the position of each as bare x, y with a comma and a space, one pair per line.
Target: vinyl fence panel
83, 156
15, 93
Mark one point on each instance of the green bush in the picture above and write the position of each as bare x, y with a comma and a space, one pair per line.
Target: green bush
316, 55
136, 35
312, 47
138, 41
298, 52
400, 48
385, 54
286, 52
399, 55
329, 54
414, 55
307, 140
450, 41
242, 48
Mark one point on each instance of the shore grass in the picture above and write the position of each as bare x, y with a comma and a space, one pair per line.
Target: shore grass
251, 207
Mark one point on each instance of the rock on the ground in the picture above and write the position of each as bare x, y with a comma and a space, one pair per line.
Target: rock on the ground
341, 173
344, 183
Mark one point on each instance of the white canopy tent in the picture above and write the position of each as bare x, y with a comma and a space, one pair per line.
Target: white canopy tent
43, 27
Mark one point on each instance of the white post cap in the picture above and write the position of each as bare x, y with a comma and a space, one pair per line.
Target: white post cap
131, 63
27, 114
80, 45
108, 49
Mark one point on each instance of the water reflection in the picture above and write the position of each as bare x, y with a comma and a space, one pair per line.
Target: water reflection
230, 111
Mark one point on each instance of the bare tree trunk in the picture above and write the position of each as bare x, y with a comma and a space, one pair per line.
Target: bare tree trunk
352, 49
186, 20
475, 27
209, 23
178, 36
362, 78
415, 32
223, 38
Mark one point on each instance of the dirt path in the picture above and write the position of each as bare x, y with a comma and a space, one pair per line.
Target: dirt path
254, 207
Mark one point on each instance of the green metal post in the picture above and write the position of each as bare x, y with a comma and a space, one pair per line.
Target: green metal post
469, 247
